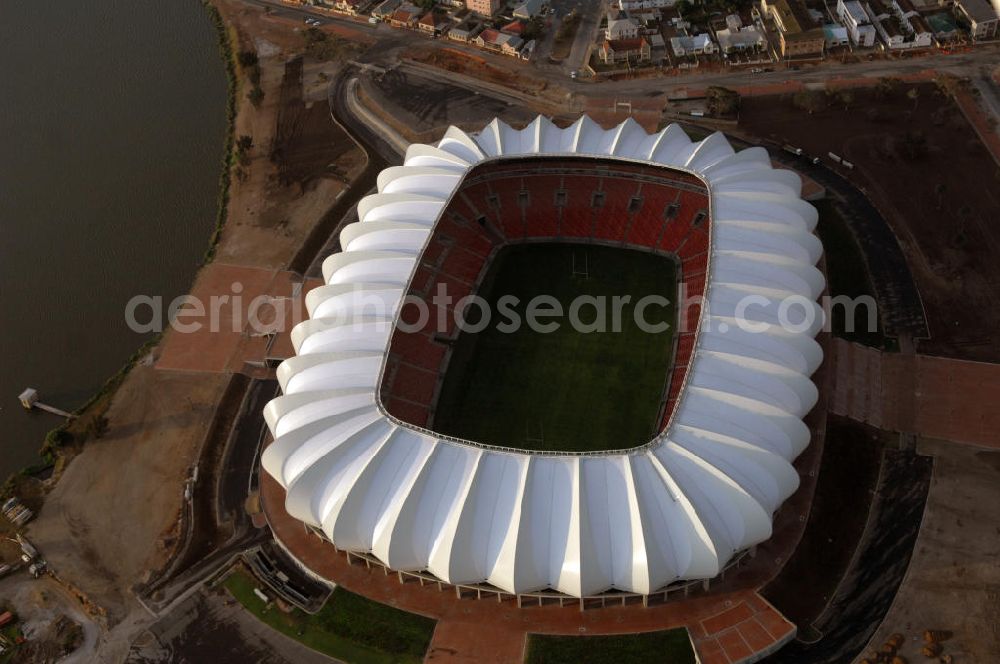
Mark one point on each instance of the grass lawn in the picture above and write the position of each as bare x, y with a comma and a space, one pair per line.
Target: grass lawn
11, 631
566, 390
348, 627
846, 270
669, 646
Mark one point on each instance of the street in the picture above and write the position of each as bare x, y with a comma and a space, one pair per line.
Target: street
393, 42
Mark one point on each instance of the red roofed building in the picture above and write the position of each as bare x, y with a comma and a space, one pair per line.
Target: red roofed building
515, 27
404, 17
624, 50
433, 23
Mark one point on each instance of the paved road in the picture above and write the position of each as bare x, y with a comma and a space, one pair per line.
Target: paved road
988, 89
393, 42
900, 306
869, 586
210, 627
591, 11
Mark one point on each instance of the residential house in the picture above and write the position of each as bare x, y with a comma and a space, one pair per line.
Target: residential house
351, 7
919, 31
899, 25
405, 17
855, 19
528, 9
499, 42
799, 36
835, 35
693, 45
512, 46
634, 5
465, 31
981, 17
740, 41
614, 51
734, 22
434, 23
515, 27
888, 26
621, 26
528, 49
483, 7
384, 9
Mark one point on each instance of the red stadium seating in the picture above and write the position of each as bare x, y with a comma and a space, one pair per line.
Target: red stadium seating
543, 215
613, 217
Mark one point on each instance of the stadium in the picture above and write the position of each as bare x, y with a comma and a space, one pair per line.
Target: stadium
572, 463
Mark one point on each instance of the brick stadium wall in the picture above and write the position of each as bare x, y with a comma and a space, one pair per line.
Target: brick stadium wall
545, 199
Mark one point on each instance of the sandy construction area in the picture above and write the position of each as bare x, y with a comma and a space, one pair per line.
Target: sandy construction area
112, 515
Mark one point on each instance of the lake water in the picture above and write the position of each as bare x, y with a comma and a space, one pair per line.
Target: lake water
112, 121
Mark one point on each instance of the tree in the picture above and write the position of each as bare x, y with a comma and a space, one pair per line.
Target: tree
887, 86
244, 143
534, 29
684, 8
256, 96
319, 46
939, 190
247, 59
948, 85
722, 101
810, 101
846, 97
912, 145
98, 425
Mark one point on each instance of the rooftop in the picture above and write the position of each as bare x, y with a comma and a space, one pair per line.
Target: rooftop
979, 11
793, 16
856, 11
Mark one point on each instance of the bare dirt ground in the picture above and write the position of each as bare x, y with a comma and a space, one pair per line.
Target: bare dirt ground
112, 516
421, 108
300, 160
953, 583
928, 173
851, 458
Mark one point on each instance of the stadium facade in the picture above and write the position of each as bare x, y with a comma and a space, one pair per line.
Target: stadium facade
678, 507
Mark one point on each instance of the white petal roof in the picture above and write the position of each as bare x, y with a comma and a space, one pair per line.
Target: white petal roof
636, 520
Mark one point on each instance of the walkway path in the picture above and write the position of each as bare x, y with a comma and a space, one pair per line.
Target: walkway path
929, 396
726, 626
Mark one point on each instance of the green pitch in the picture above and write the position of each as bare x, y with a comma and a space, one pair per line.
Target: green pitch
566, 390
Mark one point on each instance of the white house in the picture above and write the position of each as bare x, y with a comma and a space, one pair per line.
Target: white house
982, 17
737, 41
856, 20
633, 5
899, 25
836, 35
621, 26
920, 32
693, 45
888, 29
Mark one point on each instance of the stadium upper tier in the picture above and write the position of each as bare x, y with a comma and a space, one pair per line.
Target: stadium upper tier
637, 520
